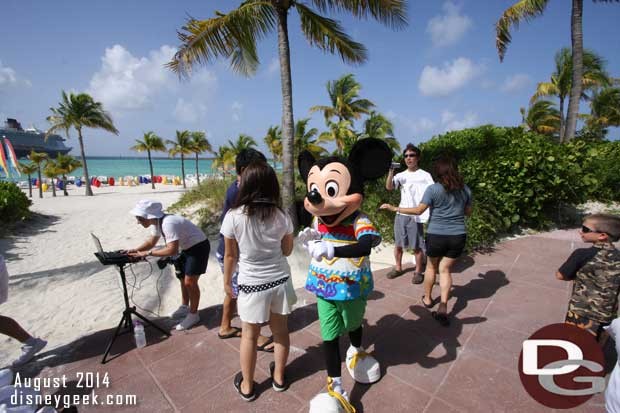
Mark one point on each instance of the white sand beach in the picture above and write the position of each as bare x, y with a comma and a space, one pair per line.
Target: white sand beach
59, 291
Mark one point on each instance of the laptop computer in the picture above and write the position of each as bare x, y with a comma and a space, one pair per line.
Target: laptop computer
109, 257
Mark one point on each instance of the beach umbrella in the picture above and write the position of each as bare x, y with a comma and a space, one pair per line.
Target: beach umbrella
78, 182
111, 181
59, 184
44, 186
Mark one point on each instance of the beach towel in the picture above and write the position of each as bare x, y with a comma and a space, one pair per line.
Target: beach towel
4, 281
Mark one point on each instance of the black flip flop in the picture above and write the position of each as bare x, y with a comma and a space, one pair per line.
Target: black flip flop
431, 305
442, 318
263, 347
237, 383
277, 386
236, 332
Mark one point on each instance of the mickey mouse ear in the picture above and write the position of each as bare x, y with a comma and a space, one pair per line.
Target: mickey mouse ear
371, 157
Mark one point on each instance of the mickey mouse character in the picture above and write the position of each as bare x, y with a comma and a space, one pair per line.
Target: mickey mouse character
339, 241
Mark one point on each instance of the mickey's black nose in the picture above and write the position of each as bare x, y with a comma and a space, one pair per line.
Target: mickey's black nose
314, 197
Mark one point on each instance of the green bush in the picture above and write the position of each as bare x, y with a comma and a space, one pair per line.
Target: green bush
601, 167
14, 204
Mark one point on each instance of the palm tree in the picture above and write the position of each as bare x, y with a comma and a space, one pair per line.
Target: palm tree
542, 117
182, 146
150, 142
305, 139
594, 75
80, 111
243, 142
380, 127
37, 158
200, 144
66, 164
344, 98
273, 140
224, 159
234, 36
605, 107
28, 168
51, 171
529, 9
341, 133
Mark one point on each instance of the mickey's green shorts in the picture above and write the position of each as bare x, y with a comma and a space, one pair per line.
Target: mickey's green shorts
339, 317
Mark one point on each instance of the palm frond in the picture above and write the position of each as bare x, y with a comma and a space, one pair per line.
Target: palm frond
328, 35
392, 13
232, 35
512, 16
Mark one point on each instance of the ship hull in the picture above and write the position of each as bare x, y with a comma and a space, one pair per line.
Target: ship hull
24, 142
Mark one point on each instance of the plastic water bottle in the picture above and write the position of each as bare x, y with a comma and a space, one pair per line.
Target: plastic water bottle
138, 333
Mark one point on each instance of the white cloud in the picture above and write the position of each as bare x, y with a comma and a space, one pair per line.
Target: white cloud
8, 77
450, 121
446, 29
189, 112
274, 66
390, 114
420, 125
237, 108
436, 81
126, 82
516, 82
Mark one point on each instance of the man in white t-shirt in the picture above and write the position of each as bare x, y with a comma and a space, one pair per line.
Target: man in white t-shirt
409, 229
182, 237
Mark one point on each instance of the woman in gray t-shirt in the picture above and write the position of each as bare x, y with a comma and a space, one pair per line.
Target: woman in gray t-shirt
449, 200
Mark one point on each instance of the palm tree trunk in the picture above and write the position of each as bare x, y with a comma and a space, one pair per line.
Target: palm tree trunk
197, 173
53, 188
148, 151
562, 120
576, 84
89, 191
30, 185
288, 169
64, 185
183, 170
40, 182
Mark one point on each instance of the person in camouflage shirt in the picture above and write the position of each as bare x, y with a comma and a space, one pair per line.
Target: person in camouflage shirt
596, 275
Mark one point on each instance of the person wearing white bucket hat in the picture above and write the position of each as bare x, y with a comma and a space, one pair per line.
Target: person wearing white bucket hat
183, 239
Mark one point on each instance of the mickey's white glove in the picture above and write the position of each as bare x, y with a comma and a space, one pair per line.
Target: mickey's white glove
307, 235
319, 249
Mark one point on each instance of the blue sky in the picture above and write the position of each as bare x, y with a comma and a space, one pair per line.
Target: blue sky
440, 73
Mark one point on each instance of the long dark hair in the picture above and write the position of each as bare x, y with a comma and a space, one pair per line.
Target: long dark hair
447, 174
259, 191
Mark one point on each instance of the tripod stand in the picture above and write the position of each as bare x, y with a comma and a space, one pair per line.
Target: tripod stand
126, 318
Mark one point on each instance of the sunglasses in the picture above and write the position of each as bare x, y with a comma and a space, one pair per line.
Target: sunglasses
586, 230
411, 155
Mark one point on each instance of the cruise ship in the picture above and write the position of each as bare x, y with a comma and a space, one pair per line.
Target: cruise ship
26, 140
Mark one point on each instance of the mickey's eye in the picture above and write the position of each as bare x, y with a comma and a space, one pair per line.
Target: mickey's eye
331, 188
314, 187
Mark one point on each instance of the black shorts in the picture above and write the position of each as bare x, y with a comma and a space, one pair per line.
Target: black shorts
193, 261
450, 246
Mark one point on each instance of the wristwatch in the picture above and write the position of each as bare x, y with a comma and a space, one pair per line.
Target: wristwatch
150, 253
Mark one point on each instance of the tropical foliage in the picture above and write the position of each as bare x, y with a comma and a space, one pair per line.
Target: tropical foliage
66, 164
200, 144
273, 140
28, 168
594, 76
14, 205
38, 158
305, 139
542, 117
150, 143
234, 36
182, 146
525, 10
80, 111
50, 170
345, 102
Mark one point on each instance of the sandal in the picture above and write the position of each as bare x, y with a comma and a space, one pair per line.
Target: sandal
263, 347
431, 305
276, 386
394, 273
236, 332
418, 278
237, 383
